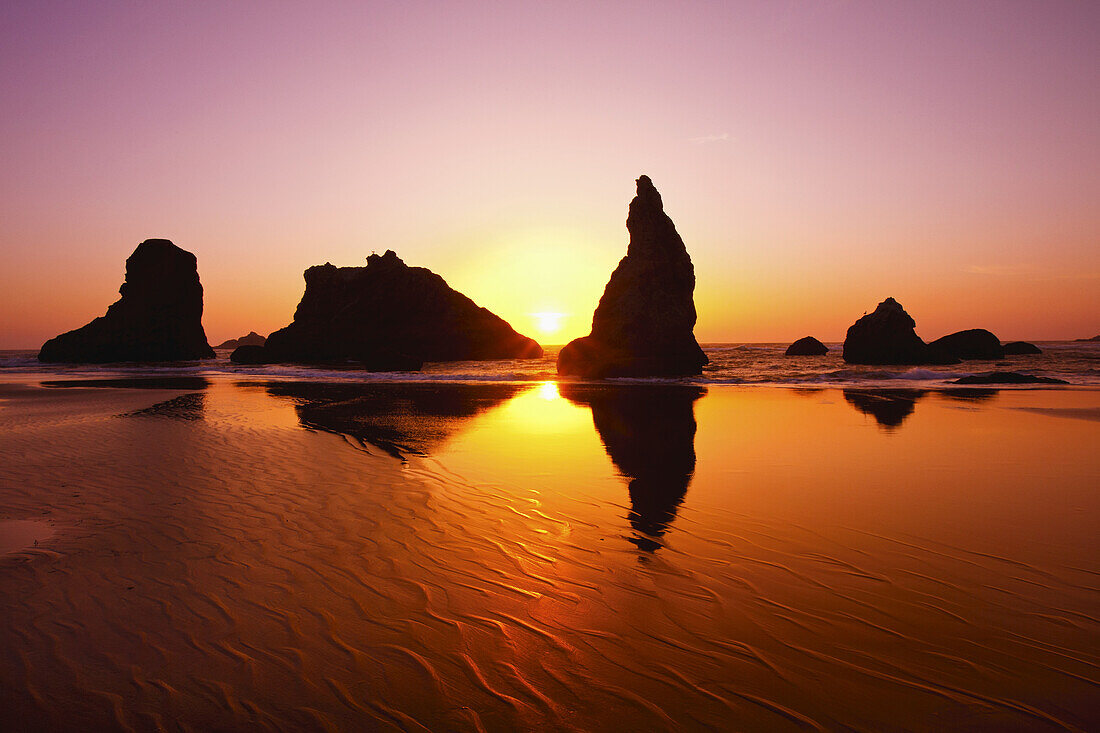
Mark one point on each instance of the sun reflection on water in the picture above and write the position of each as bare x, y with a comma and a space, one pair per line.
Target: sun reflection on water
549, 391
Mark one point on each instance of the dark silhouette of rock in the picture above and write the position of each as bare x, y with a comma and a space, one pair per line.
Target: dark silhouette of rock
643, 325
886, 336
400, 419
649, 434
1007, 378
807, 346
1094, 338
252, 339
889, 407
1021, 348
249, 354
158, 317
974, 343
389, 316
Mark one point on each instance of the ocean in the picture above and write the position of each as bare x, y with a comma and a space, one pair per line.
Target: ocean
764, 364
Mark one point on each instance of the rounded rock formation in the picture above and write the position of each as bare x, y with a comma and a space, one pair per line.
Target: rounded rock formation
974, 343
1021, 348
807, 346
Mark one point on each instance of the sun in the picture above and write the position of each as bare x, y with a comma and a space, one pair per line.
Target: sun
548, 323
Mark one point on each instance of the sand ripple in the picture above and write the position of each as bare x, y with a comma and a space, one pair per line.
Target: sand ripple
218, 567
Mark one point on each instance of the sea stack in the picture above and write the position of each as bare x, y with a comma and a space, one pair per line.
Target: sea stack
1021, 348
388, 316
972, 344
887, 336
807, 346
158, 317
643, 325
252, 339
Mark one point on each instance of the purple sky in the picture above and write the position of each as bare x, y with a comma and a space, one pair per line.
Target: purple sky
815, 156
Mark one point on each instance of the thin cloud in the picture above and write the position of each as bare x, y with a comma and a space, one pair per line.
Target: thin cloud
719, 138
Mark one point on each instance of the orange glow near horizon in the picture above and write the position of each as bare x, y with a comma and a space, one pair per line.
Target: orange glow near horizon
815, 160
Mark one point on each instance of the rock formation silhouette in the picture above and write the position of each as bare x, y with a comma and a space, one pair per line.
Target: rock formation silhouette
389, 316
643, 325
1021, 348
649, 434
974, 343
1007, 378
886, 336
252, 339
158, 317
807, 346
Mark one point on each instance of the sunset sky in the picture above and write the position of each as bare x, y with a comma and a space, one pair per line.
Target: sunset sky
816, 156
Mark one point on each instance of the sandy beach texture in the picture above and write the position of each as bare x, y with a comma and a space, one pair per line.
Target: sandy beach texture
233, 555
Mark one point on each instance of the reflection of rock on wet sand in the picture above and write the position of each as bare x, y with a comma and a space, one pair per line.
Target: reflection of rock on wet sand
649, 434
398, 418
891, 407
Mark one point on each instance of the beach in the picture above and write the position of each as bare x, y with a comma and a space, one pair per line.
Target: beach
232, 553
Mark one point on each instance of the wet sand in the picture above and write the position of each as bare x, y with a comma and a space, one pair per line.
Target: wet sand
240, 556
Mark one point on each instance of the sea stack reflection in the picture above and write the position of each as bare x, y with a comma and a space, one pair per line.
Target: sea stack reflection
643, 325
649, 434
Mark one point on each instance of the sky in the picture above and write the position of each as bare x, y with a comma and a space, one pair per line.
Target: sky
816, 157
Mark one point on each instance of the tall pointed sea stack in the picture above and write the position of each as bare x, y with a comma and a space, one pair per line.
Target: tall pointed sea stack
644, 323
158, 317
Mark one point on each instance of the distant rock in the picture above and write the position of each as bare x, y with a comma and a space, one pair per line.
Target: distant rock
1021, 348
252, 339
1008, 378
807, 346
389, 316
249, 354
1094, 338
643, 325
158, 317
886, 336
974, 343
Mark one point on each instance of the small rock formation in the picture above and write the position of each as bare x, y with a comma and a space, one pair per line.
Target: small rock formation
158, 317
252, 339
1021, 348
1094, 338
1008, 378
643, 325
974, 343
807, 346
388, 316
248, 354
886, 336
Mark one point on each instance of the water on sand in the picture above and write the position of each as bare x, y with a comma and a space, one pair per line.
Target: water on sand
236, 555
